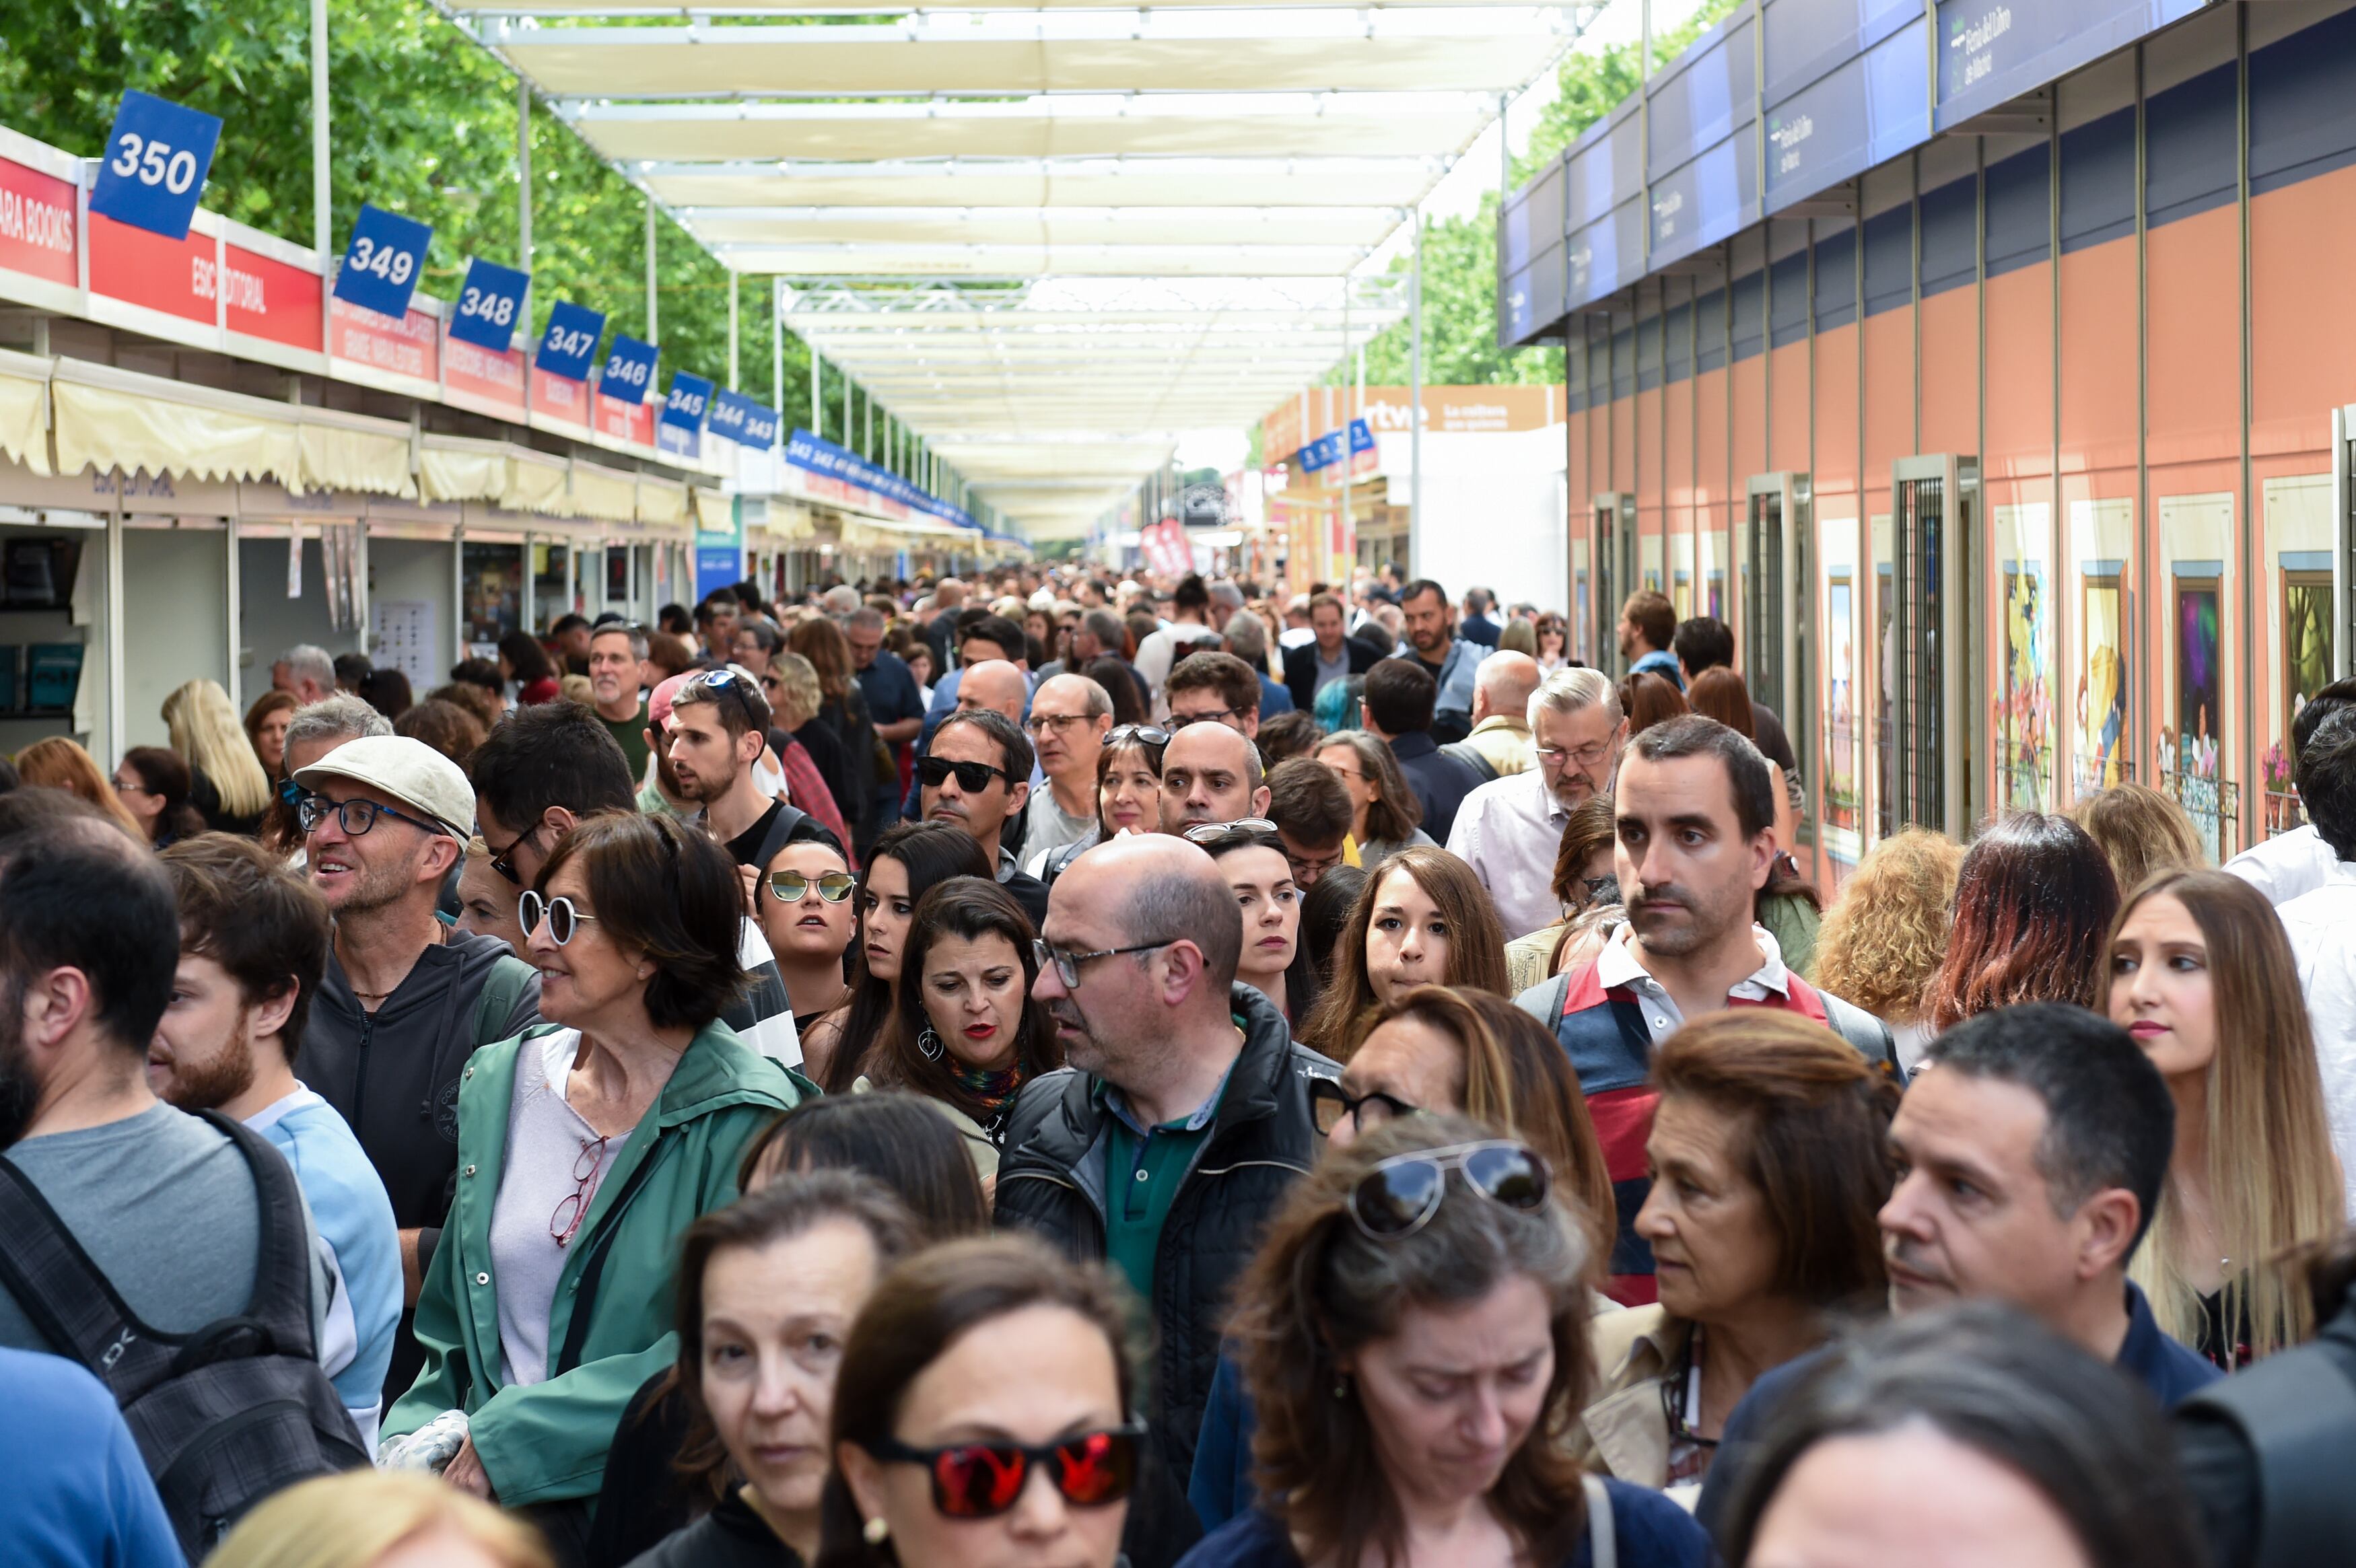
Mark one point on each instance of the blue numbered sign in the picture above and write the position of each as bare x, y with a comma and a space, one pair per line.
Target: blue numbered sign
742, 419
153, 170
383, 262
690, 395
629, 370
570, 346
488, 308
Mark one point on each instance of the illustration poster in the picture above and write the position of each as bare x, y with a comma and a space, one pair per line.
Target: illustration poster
2306, 639
1841, 801
2198, 678
2102, 685
2024, 705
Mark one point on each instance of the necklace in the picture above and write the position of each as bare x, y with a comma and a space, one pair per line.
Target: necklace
441, 939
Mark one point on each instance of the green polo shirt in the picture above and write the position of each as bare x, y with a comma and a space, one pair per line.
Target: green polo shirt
1144, 1168
631, 735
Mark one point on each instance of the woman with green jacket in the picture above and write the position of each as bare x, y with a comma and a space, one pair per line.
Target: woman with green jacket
584, 1151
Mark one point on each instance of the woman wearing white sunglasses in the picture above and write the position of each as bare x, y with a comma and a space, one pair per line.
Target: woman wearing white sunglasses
584, 1149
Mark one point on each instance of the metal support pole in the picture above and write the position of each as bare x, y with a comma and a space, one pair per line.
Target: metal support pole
1505, 153
818, 402
654, 330
1415, 404
732, 332
322, 186
777, 357
523, 200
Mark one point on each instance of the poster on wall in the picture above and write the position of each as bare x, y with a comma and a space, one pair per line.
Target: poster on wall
2194, 746
407, 640
2101, 683
2024, 698
1841, 799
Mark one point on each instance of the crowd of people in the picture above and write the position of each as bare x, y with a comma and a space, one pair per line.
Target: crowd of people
1071, 1070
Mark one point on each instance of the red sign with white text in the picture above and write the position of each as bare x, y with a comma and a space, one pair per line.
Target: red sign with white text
560, 397
633, 422
475, 378
405, 348
267, 298
175, 276
37, 224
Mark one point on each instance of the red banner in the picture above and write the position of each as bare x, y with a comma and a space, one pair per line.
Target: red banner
37, 224
404, 347
476, 377
633, 422
267, 298
560, 397
139, 268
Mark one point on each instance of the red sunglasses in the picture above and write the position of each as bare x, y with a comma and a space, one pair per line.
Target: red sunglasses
981, 1480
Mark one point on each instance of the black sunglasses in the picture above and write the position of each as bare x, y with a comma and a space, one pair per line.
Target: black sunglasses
1330, 1105
1401, 1195
982, 1480
971, 777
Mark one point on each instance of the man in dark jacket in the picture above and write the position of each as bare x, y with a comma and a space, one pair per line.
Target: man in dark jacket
406, 1000
1400, 699
1183, 1116
1331, 657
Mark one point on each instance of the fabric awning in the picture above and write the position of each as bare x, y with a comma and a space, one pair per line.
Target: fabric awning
456, 468
661, 502
24, 410
108, 419
351, 454
603, 494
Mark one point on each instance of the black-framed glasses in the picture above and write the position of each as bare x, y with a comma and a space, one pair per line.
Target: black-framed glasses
982, 1480
1330, 1105
971, 777
1208, 715
503, 860
792, 887
1067, 965
355, 816
1401, 1194
564, 917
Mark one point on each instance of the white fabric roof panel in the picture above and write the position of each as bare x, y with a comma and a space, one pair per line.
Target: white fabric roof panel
1043, 260
1360, 226
1257, 182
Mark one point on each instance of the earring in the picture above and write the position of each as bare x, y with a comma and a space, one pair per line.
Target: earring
876, 1531
929, 1044
1341, 1385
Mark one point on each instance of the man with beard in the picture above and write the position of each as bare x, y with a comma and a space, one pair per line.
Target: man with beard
1185, 1117
2030, 1155
977, 777
1451, 662
718, 727
1509, 829
164, 1204
253, 944
1695, 817
405, 998
1211, 773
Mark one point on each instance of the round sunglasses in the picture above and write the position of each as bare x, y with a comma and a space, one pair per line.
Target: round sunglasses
792, 887
1399, 1196
564, 918
981, 1480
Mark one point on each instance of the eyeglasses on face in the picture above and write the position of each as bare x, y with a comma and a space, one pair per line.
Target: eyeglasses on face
1056, 724
131, 787
971, 777
1207, 716
982, 1480
563, 917
1585, 756
355, 816
1067, 965
792, 887
1399, 1196
1330, 1105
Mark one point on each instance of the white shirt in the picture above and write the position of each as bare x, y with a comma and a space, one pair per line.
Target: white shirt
2285, 865
1293, 637
1509, 831
1165, 647
2322, 930
1617, 964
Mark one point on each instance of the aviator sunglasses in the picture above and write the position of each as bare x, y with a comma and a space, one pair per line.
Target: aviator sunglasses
792, 887
981, 1480
1399, 1196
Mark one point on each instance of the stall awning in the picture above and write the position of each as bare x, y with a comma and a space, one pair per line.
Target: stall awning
24, 410
603, 494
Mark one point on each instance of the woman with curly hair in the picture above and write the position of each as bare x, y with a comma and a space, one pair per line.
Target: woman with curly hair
2034, 900
1883, 937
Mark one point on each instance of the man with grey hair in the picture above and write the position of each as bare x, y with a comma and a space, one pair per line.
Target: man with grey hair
1183, 1117
1509, 830
1246, 638
840, 600
941, 634
617, 651
318, 727
1069, 716
305, 671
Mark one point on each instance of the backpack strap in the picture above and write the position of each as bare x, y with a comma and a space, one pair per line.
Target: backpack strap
502, 989
1468, 753
1868, 1033
281, 1304
781, 832
1602, 1535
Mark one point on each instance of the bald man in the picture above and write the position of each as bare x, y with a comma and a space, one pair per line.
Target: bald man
1070, 715
1500, 742
1186, 1117
995, 685
1211, 773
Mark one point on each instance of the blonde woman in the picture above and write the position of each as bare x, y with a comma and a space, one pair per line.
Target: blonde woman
1882, 939
58, 762
2140, 831
2252, 1175
379, 1518
230, 788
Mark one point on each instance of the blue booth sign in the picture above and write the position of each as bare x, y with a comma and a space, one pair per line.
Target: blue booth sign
742, 420
489, 305
690, 395
383, 262
157, 158
629, 370
569, 345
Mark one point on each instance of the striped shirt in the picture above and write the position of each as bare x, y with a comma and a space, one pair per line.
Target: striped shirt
763, 1016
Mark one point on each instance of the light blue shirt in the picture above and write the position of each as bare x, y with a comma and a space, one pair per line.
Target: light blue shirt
354, 1217
1457, 672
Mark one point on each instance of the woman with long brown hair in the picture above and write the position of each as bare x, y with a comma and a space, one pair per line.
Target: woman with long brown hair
2034, 902
1423, 919
58, 762
1429, 1242
1386, 814
2253, 1176
1649, 699
843, 711
905, 863
1719, 693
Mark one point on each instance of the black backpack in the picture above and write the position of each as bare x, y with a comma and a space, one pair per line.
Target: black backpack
225, 1415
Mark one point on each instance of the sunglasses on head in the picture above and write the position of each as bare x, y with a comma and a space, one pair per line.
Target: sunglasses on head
981, 1480
971, 777
1217, 836
792, 887
1401, 1195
